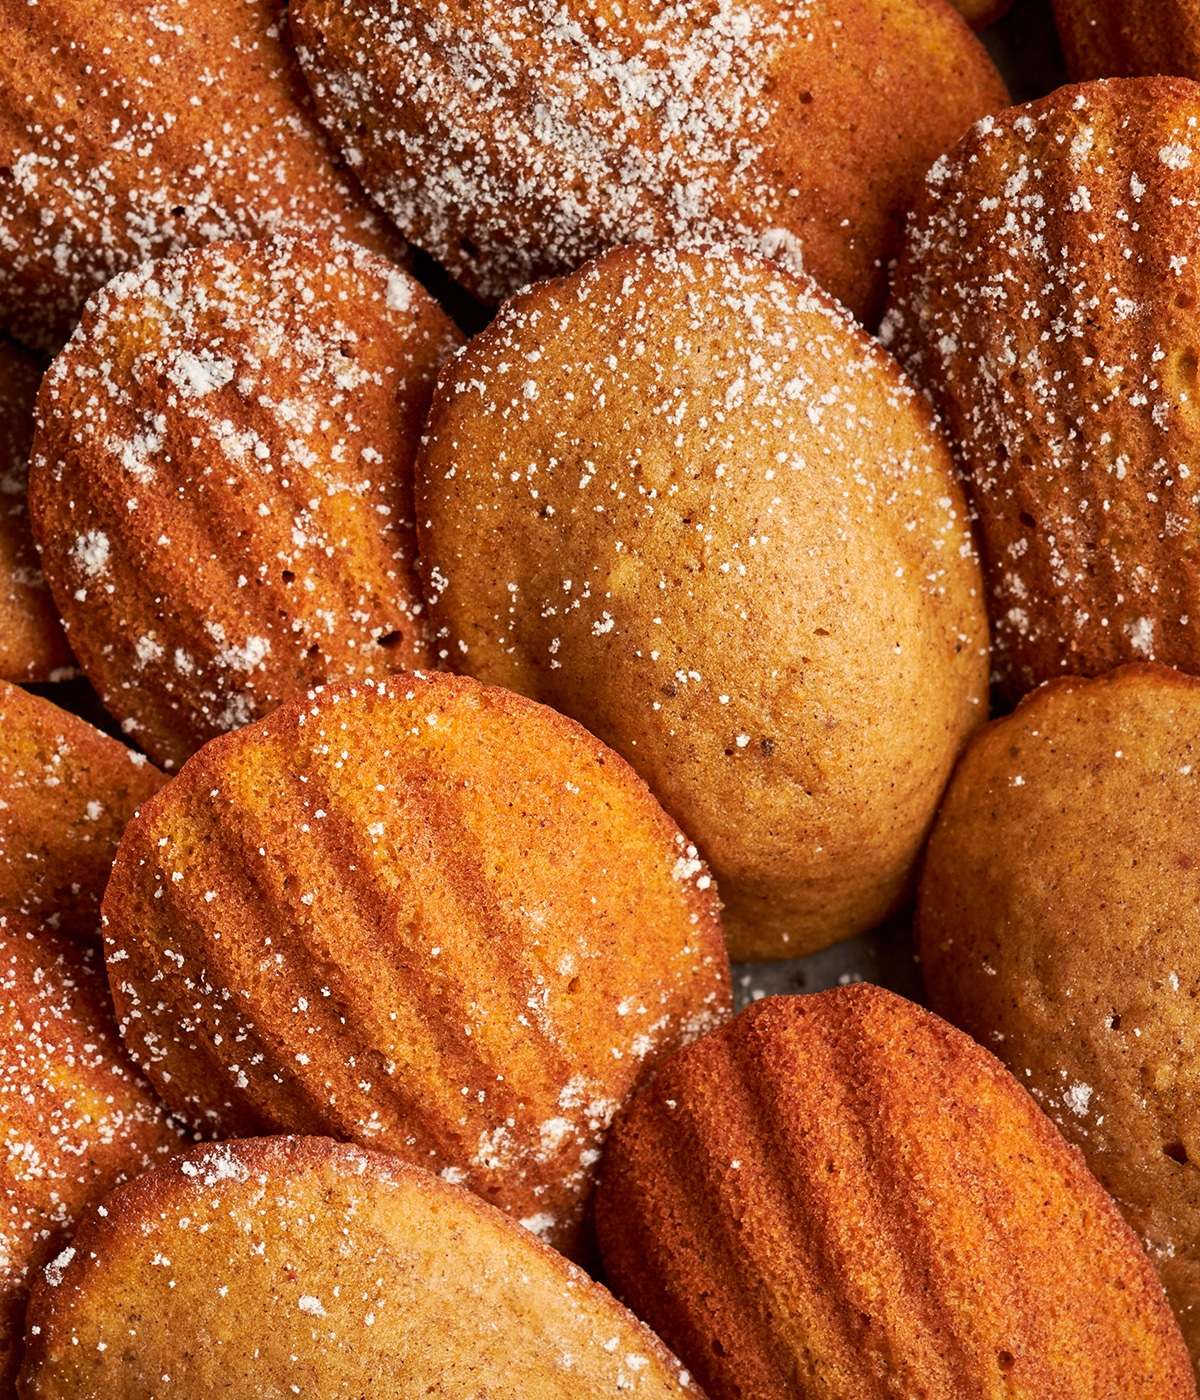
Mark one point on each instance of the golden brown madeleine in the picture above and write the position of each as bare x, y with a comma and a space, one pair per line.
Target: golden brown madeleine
431, 917
683, 498
514, 143
841, 1197
1057, 924
222, 481
32, 645
66, 792
980, 13
1048, 301
75, 1117
280, 1266
130, 132
1126, 38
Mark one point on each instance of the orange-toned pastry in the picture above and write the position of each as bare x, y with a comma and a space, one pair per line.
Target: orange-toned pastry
281, 1266
75, 1118
130, 132
1049, 302
427, 916
66, 792
1057, 924
222, 481
841, 1197
980, 13
32, 645
682, 497
512, 143
1126, 38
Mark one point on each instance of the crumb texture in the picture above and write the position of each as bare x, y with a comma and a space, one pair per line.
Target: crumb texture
512, 142
1057, 925
841, 1197
300, 1266
681, 497
222, 481
429, 917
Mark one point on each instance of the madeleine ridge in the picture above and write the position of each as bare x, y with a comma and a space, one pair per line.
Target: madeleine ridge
1057, 924
221, 483
1128, 38
132, 131
1048, 301
514, 143
75, 1118
841, 1196
288, 1265
683, 498
426, 916
66, 792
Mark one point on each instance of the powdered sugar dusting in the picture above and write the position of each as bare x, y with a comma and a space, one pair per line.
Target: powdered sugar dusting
230, 436
1047, 302
133, 132
647, 129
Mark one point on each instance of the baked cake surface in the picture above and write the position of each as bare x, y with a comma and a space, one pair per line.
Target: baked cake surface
66, 792
682, 497
75, 1116
1048, 302
222, 481
130, 132
842, 1197
428, 916
1057, 924
288, 1266
514, 143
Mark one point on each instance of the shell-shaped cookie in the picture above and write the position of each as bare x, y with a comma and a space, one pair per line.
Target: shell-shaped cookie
427, 916
841, 1197
1128, 38
683, 498
32, 645
514, 143
132, 131
75, 1117
1049, 302
1057, 924
283, 1266
222, 481
66, 792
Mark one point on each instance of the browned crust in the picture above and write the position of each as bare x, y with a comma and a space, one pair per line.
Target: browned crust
222, 481
1048, 302
729, 538
67, 791
455, 1289
843, 1195
32, 645
468, 124
128, 133
980, 13
75, 1117
1056, 921
437, 918
1129, 38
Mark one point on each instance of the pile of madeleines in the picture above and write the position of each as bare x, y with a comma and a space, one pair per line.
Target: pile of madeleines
366, 1015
